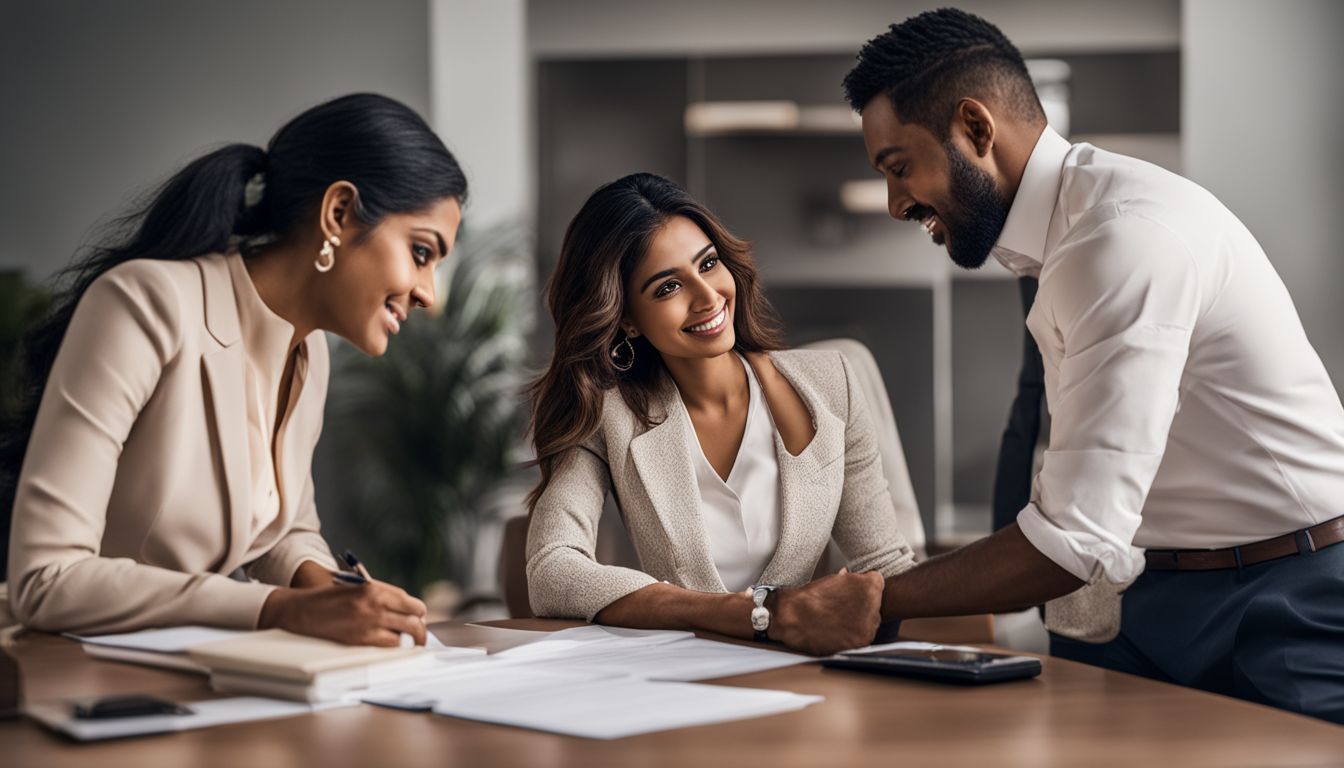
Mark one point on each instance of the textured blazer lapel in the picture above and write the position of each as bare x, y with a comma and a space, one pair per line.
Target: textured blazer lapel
805, 524
225, 372
664, 465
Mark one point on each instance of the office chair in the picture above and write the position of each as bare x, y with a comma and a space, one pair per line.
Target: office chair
614, 547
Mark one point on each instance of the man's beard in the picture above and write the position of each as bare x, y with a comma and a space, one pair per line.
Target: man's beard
974, 228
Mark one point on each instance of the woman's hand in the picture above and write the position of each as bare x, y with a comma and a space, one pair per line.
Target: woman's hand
309, 574
832, 614
371, 614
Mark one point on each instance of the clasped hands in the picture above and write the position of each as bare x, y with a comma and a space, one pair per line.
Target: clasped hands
831, 614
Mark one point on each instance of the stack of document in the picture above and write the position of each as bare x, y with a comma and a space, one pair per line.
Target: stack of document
592, 681
647, 654
601, 683
274, 662
288, 666
155, 647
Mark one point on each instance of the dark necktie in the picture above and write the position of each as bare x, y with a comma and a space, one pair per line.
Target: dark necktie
1012, 477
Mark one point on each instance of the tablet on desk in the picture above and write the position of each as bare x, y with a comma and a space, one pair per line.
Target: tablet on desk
947, 664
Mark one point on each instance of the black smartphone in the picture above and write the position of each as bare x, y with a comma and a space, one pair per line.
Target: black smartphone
944, 664
135, 705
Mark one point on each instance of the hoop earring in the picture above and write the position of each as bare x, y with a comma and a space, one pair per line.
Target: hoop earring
616, 361
326, 258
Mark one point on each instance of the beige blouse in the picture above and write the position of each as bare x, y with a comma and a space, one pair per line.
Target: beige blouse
267, 338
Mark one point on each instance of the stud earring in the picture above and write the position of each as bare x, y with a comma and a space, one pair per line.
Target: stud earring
629, 361
326, 258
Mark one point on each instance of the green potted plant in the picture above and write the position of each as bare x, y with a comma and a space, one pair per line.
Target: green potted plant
21, 303
415, 441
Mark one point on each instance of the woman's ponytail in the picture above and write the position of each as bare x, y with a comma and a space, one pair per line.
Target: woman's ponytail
196, 211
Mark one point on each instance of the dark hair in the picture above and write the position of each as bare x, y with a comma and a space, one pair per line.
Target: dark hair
382, 147
928, 63
586, 294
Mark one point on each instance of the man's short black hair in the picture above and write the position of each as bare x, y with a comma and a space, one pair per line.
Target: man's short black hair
928, 63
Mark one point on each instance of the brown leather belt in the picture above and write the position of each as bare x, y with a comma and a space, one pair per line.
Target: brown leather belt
1307, 540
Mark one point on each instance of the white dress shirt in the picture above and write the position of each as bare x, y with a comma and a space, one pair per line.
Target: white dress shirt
1188, 410
741, 514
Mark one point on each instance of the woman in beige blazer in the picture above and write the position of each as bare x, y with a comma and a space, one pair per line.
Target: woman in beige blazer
169, 441
733, 462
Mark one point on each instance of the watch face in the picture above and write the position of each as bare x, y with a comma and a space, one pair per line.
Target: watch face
760, 618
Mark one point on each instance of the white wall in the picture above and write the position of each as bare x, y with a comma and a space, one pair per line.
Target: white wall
588, 28
1261, 112
479, 89
102, 100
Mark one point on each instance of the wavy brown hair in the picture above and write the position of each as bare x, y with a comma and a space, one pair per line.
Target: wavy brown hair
586, 295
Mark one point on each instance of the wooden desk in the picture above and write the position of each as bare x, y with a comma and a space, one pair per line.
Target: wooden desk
1073, 715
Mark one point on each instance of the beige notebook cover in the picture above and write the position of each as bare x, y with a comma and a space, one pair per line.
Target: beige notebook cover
278, 654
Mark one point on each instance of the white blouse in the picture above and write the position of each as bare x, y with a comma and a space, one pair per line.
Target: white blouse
741, 514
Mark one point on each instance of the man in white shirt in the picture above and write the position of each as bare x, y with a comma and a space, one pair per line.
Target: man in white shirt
1196, 457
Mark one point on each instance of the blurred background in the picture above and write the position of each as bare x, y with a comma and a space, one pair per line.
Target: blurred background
740, 101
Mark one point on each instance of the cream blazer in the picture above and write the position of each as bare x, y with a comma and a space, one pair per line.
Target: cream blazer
834, 489
133, 501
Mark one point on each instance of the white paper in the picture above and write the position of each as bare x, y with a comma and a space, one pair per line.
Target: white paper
601, 683
589, 640
647, 654
684, 661
169, 640
204, 714
465, 680
609, 708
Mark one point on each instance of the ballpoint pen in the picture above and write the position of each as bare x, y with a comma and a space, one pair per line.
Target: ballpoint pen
360, 572
360, 575
357, 566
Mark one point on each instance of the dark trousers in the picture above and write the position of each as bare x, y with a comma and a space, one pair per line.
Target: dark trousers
1272, 633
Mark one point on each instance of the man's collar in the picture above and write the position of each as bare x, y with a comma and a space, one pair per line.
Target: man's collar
1028, 220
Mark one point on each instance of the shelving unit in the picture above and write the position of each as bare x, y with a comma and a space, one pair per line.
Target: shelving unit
767, 143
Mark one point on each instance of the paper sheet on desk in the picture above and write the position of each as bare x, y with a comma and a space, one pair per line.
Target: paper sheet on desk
591, 639
595, 706
647, 654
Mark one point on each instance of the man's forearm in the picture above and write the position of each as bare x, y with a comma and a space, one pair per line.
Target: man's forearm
996, 574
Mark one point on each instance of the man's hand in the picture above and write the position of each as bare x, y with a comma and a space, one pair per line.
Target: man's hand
832, 614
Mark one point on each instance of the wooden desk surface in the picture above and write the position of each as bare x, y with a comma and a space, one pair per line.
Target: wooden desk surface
1071, 715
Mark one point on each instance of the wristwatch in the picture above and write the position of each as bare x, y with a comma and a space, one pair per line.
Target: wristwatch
760, 615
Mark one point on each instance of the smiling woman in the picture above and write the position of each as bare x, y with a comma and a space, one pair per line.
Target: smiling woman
174, 394
734, 462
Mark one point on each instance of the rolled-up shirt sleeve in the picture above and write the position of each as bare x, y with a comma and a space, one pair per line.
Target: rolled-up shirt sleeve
1123, 296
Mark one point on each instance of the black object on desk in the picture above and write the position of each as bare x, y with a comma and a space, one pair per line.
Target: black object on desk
940, 663
135, 705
